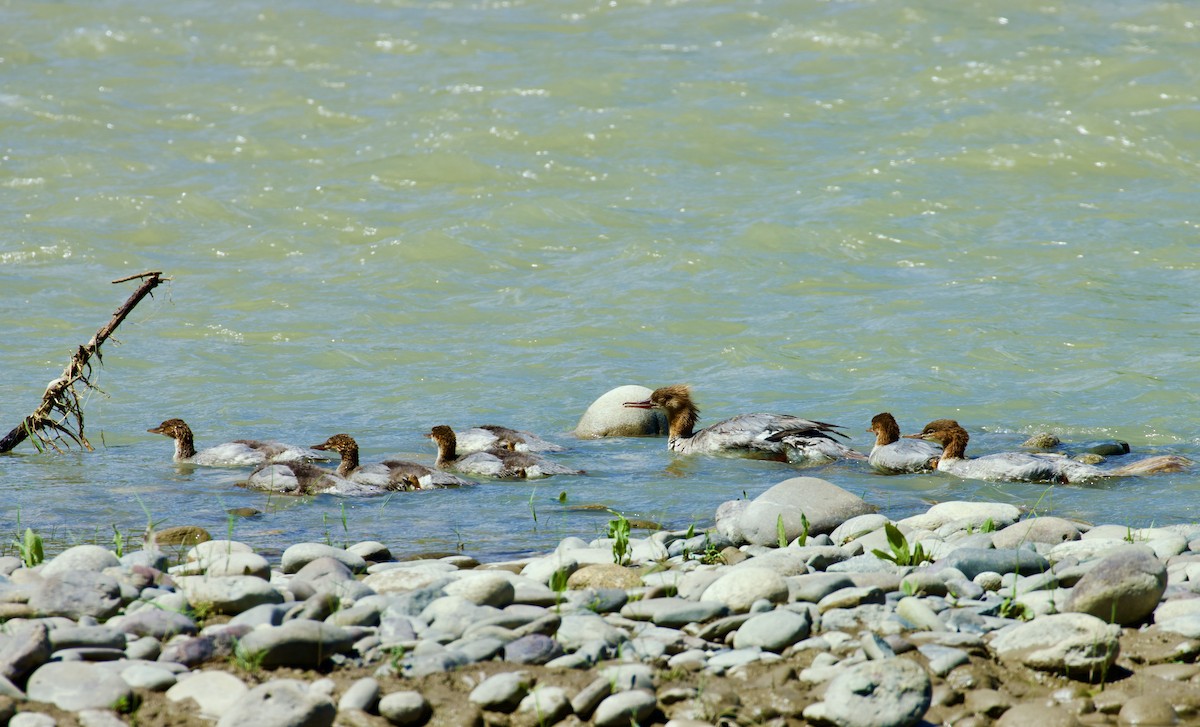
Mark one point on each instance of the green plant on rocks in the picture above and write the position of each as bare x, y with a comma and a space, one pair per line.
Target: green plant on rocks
901, 554
618, 530
31, 549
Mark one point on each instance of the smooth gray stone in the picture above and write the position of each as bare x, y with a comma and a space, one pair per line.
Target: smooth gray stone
856, 527
697, 544
396, 629
548, 705
532, 649
824, 504
717, 630
738, 589
299, 643
280, 703
815, 586
371, 550
588, 698
973, 561
213, 691
77, 593
146, 648
88, 653
1074, 644
316, 607
866, 563
502, 692
851, 598
404, 708
155, 622
1124, 588
580, 628
623, 677
188, 650
625, 708
608, 416
24, 650
76, 685
605, 600
479, 649
80, 558
889, 693
362, 694
1050, 530
942, 659
420, 665
144, 676
228, 594
484, 589
962, 588
672, 611
364, 615
301, 554
773, 631
734, 657
317, 575
918, 613
875, 648
32, 719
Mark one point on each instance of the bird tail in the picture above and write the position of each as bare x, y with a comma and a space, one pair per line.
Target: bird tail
1155, 465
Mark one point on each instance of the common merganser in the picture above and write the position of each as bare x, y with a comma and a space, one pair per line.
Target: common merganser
1028, 467
238, 453
893, 454
305, 478
491, 437
779, 437
390, 474
500, 463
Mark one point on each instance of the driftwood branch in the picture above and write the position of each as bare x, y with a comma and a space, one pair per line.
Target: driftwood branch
59, 418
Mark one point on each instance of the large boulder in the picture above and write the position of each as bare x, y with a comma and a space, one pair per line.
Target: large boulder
1075, 644
609, 417
1123, 588
823, 504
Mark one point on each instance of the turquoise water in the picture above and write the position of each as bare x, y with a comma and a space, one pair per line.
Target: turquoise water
380, 216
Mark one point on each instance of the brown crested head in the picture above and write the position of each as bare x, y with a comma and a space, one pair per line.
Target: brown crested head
939, 429
442, 433
885, 428
447, 443
171, 428
676, 401
340, 443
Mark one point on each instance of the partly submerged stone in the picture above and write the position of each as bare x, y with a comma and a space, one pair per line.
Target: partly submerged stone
609, 417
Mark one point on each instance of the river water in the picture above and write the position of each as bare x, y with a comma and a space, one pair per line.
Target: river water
381, 216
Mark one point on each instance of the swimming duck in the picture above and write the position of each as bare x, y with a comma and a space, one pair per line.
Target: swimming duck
491, 436
779, 437
1029, 467
240, 452
500, 463
893, 454
390, 474
305, 478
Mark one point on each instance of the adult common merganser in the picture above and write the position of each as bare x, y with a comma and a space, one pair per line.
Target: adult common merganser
500, 463
305, 478
390, 474
779, 437
238, 453
893, 454
1029, 467
492, 437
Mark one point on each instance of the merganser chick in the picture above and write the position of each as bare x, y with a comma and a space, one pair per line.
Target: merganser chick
894, 455
238, 453
1029, 467
304, 478
500, 463
491, 437
390, 474
779, 437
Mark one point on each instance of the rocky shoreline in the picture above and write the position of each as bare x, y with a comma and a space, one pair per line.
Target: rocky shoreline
802, 606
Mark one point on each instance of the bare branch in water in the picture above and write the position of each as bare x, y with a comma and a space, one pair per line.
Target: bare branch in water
59, 418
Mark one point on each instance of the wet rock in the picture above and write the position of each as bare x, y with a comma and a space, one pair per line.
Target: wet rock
182, 535
607, 416
1123, 588
1036, 713
76, 685
824, 504
1075, 644
280, 702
